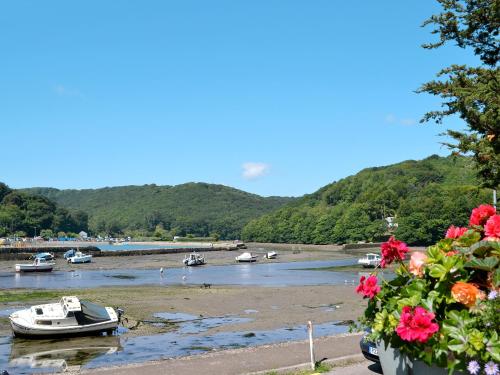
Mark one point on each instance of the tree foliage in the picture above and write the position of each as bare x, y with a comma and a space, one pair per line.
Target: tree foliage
472, 93
424, 197
193, 208
22, 212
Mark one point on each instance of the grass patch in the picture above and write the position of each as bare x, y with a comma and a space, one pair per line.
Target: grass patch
122, 277
21, 295
320, 368
202, 348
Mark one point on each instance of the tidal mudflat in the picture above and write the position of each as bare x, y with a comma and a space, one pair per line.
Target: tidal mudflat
182, 320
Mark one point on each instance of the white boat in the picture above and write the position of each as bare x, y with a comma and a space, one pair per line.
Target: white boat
38, 265
69, 316
46, 256
370, 260
194, 259
80, 257
246, 257
271, 255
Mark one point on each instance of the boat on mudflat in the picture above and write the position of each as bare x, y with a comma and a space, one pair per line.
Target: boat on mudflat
80, 257
70, 316
246, 257
370, 260
38, 265
194, 259
271, 255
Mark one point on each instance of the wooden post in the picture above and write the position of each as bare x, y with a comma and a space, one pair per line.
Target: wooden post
311, 344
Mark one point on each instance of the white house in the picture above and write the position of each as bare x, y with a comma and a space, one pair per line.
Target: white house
83, 235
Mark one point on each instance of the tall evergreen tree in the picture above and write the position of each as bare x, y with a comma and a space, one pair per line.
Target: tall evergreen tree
472, 93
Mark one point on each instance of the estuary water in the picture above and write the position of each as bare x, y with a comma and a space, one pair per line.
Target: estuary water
258, 274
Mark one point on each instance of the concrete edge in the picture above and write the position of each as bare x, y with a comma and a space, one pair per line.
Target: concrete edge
335, 362
217, 352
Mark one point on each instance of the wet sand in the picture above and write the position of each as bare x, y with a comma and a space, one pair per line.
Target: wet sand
268, 307
286, 253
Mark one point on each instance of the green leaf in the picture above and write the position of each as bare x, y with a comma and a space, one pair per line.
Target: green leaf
481, 248
486, 264
496, 278
437, 271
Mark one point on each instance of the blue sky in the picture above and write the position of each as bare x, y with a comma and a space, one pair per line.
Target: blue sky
271, 97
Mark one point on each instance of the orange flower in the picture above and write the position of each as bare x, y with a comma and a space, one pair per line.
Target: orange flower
417, 262
466, 293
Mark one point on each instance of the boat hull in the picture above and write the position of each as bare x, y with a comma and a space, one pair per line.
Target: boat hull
81, 260
37, 332
31, 268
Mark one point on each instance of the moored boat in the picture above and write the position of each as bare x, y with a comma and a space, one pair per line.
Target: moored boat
46, 256
80, 257
194, 259
271, 255
70, 253
38, 265
246, 257
370, 260
69, 316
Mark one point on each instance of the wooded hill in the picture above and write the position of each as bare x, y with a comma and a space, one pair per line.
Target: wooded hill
199, 209
424, 197
23, 214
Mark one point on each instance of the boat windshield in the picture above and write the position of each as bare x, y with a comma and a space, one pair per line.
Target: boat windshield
91, 313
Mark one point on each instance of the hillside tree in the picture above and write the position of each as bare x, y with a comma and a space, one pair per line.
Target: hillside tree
470, 92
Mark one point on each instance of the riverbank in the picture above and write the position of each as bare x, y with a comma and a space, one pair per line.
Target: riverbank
174, 260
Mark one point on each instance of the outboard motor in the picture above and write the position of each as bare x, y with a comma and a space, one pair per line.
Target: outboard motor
120, 312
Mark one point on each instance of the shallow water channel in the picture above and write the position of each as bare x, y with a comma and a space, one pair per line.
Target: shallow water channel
191, 336
259, 274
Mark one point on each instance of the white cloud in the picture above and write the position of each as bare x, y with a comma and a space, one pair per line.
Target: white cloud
407, 121
393, 119
66, 91
251, 171
390, 118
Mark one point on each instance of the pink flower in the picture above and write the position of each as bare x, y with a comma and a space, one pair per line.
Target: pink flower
481, 214
492, 227
416, 325
417, 262
368, 286
451, 253
392, 250
455, 232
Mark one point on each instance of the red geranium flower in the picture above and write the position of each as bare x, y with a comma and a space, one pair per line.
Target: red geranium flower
368, 286
492, 226
481, 214
455, 232
392, 250
416, 325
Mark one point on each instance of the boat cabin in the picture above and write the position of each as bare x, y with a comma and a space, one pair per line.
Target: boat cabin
70, 311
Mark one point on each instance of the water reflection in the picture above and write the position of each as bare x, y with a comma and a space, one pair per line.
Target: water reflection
28, 356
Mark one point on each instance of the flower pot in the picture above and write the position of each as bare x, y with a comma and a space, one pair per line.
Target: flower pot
422, 368
393, 362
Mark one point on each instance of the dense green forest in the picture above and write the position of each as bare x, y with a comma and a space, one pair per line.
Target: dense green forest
23, 214
424, 198
198, 209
